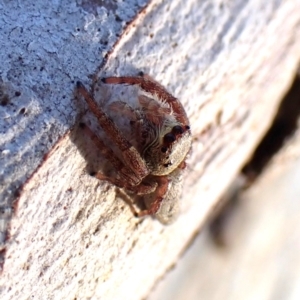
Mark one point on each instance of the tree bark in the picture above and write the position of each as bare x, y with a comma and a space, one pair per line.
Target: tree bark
72, 236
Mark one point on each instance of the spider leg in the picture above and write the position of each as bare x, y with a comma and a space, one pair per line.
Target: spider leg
160, 192
151, 86
132, 158
126, 174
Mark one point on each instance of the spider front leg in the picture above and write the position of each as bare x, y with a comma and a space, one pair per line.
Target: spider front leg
132, 159
126, 178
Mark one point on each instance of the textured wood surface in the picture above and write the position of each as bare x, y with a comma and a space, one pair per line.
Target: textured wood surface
260, 256
73, 236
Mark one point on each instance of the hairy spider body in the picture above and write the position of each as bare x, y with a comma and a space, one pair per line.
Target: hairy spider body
162, 139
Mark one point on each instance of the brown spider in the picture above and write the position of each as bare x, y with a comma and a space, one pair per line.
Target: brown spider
161, 130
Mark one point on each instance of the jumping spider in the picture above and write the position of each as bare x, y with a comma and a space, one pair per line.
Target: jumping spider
153, 168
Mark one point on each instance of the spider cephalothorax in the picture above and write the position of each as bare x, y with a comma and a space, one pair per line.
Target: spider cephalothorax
152, 167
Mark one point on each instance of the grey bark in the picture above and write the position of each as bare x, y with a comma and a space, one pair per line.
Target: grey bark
74, 237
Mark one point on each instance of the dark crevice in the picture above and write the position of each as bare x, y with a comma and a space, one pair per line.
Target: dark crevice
283, 127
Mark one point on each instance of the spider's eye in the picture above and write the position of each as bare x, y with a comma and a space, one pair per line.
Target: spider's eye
187, 127
167, 164
169, 138
164, 149
177, 130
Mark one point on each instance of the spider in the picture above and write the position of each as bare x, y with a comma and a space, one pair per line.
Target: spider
161, 130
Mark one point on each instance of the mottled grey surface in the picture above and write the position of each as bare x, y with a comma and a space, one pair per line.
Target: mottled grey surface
46, 47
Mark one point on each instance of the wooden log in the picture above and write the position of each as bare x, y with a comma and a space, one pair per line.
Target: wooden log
74, 237
259, 256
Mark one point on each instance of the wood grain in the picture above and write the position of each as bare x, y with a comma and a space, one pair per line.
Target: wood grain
229, 63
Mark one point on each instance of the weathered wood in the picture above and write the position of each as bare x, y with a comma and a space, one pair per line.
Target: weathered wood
73, 236
260, 256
